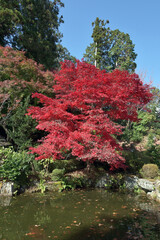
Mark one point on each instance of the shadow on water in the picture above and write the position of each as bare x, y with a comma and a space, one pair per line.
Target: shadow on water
119, 229
79, 215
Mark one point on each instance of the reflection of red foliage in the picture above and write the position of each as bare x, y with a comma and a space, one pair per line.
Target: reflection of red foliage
81, 117
36, 232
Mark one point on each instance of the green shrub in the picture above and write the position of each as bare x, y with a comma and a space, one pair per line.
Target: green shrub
57, 174
21, 128
69, 165
149, 171
135, 159
154, 153
71, 183
15, 166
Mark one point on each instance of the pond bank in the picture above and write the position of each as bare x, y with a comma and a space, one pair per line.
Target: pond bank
130, 183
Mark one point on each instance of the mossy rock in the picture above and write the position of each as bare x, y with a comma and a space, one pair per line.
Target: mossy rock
149, 171
57, 174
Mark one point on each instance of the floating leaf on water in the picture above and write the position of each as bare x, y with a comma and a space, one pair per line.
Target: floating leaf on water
68, 227
115, 213
30, 233
100, 224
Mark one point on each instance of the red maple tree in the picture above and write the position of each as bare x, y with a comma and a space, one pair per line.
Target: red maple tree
81, 119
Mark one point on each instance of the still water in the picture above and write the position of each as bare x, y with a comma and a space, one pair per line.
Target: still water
79, 215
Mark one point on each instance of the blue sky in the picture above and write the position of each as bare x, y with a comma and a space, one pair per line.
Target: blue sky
139, 18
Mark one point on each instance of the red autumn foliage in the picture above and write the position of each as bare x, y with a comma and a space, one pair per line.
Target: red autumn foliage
81, 118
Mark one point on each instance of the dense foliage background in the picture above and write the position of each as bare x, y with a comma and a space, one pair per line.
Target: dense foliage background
101, 114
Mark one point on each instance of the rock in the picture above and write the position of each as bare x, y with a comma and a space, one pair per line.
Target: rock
146, 184
157, 190
153, 188
6, 188
152, 195
32, 189
103, 181
131, 183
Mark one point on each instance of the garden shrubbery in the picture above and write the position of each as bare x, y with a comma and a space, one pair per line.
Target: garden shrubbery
15, 166
149, 171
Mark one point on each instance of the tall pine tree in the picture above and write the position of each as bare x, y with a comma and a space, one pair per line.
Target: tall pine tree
110, 48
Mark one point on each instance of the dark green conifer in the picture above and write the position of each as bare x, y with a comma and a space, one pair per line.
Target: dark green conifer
110, 48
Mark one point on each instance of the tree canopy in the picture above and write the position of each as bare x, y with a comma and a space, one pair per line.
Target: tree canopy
19, 78
10, 17
81, 118
32, 26
110, 48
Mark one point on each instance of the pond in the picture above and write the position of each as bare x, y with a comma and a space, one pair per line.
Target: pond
79, 215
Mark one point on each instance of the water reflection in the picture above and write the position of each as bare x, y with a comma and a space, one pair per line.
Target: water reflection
5, 201
152, 208
79, 215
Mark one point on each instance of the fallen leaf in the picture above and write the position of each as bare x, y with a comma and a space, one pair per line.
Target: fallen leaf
115, 213
68, 227
30, 233
100, 224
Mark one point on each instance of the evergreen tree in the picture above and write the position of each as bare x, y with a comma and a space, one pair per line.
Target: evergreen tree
110, 48
64, 54
10, 17
121, 53
32, 26
101, 44
38, 33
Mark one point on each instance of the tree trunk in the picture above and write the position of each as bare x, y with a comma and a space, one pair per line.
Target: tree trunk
88, 167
